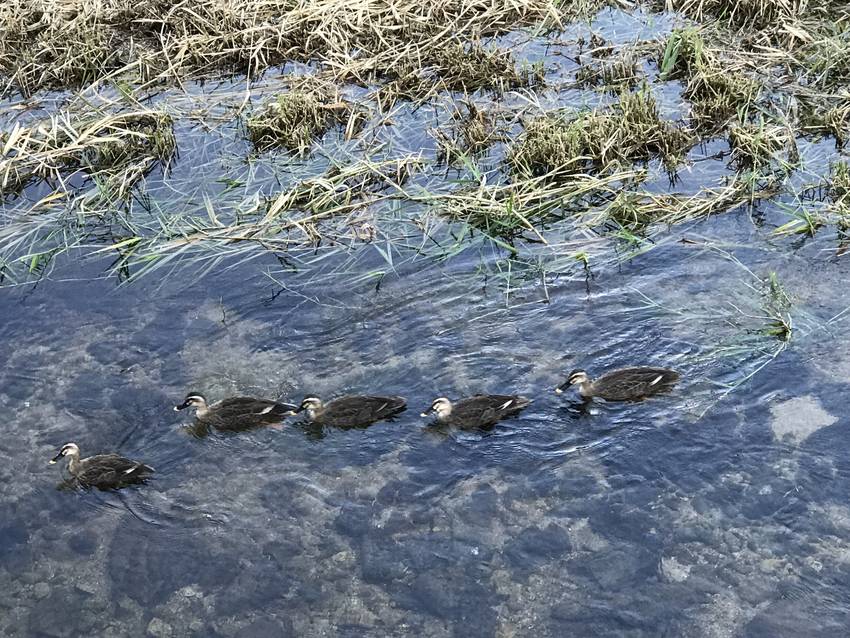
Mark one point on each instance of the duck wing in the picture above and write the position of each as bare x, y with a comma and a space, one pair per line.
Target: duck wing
354, 411
244, 413
634, 383
111, 471
484, 410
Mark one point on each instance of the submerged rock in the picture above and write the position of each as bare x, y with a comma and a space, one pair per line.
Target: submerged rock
159, 629
797, 419
535, 546
456, 596
267, 628
83, 543
148, 567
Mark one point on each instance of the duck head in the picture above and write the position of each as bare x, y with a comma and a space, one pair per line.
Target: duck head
69, 449
193, 400
576, 377
310, 403
441, 406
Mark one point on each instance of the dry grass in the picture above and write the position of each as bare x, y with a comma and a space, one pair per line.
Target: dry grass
49, 43
637, 210
745, 14
507, 210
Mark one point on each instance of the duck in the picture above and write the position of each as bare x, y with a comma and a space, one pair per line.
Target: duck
235, 414
351, 411
479, 411
103, 471
626, 384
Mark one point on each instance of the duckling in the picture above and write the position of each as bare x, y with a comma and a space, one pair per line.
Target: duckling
351, 411
479, 411
103, 471
627, 384
237, 413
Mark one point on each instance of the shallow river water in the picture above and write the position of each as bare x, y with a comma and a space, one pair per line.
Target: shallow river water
721, 509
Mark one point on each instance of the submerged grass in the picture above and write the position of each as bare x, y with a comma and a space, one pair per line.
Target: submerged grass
473, 131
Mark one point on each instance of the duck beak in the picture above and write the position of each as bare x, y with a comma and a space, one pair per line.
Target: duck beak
55, 458
561, 388
428, 411
182, 406
300, 408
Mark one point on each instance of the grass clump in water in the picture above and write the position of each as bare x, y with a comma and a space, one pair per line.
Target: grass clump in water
715, 92
840, 193
827, 61
841, 181
456, 66
777, 309
473, 132
473, 67
296, 119
629, 131
756, 146
612, 74
834, 121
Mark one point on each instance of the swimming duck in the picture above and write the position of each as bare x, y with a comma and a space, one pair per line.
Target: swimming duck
237, 413
103, 471
479, 411
350, 411
627, 384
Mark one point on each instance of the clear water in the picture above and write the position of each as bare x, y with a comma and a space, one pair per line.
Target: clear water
722, 509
